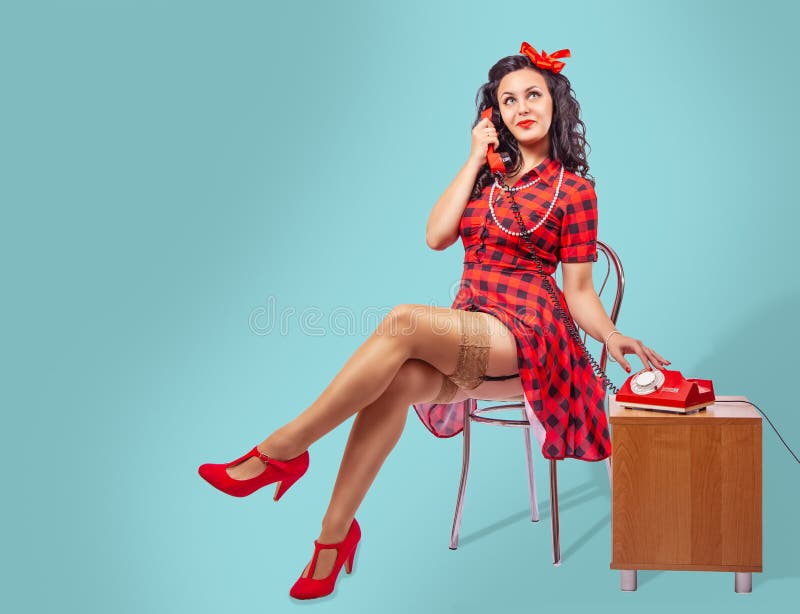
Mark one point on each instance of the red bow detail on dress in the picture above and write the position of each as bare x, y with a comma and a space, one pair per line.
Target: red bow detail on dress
543, 60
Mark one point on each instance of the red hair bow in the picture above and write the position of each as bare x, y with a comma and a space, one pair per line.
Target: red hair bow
543, 60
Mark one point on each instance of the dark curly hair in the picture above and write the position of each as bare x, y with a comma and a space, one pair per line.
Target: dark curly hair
567, 130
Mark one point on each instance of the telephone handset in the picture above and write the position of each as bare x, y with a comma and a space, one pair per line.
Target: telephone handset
498, 162
647, 389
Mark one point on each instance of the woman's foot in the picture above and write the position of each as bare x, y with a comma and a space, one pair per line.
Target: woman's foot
249, 468
326, 557
254, 465
239, 477
325, 573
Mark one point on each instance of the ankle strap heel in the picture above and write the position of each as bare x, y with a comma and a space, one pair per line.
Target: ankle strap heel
308, 587
284, 472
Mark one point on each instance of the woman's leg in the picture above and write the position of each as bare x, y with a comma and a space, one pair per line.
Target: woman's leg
375, 431
422, 332
378, 427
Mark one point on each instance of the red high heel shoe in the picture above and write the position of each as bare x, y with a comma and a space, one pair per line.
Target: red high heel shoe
285, 473
309, 588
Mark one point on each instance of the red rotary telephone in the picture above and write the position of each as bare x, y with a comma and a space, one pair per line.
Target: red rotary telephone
665, 390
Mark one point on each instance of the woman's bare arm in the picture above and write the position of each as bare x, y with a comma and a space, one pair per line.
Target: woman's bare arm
442, 229
590, 315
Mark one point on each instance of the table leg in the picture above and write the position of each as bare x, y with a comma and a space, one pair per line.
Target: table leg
627, 579
743, 582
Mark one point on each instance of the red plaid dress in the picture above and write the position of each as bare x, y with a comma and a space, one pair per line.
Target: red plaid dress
558, 381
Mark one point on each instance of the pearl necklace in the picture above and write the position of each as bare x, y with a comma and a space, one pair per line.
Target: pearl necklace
522, 187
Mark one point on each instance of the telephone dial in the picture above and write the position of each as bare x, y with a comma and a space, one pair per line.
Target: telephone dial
655, 389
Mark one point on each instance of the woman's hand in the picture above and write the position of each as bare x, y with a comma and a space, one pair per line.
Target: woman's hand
618, 345
483, 135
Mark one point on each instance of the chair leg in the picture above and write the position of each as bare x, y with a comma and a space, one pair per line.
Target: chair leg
531, 478
469, 405
554, 513
608, 468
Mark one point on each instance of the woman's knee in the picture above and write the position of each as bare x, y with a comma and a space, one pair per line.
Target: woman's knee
415, 382
427, 332
402, 320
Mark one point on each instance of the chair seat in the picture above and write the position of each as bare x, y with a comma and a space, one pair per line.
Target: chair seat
509, 399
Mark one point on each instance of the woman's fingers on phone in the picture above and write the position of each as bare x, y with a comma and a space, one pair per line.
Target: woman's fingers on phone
662, 359
655, 358
619, 355
657, 361
618, 352
642, 354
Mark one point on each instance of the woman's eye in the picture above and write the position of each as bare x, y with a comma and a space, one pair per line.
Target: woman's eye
510, 98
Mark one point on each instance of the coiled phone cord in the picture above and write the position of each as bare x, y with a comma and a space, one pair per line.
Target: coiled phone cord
574, 333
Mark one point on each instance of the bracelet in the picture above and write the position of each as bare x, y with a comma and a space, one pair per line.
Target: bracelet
608, 352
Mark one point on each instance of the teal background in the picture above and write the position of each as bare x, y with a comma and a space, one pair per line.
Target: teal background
169, 168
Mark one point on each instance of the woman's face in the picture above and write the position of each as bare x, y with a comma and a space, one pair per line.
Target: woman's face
523, 97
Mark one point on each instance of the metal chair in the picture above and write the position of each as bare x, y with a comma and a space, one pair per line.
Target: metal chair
473, 413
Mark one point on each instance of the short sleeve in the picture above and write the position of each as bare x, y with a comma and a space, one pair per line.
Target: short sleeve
579, 227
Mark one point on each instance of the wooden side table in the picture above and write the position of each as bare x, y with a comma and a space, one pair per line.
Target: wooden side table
686, 491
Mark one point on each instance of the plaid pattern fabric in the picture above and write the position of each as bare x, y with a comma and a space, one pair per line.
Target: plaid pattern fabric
558, 381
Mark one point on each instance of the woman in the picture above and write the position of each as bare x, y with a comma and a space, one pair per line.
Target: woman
500, 338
